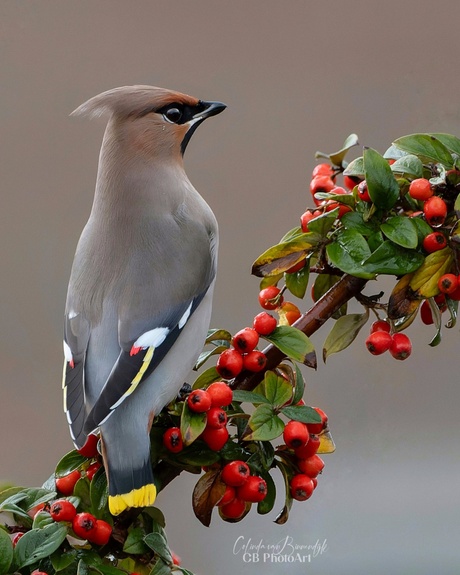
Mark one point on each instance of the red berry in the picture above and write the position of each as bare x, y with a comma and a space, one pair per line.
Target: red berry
175, 558
380, 325
435, 211
308, 450
254, 490
228, 496
221, 394
426, 314
172, 440
16, 538
455, 295
234, 510
66, 484
84, 525
440, 300
290, 312
215, 439
321, 184
305, 218
89, 450
37, 572
434, 242
101, 534
254, 361
216, 418
35, 510
323, 170
295, 434
317, 428
199, 401
420, 189
245, 340
363, 192
270, 297
401, 346
229, 364
92, 470
378, 342
448, 283
235, 473
62, 510
312, 466
302, 487
264, 323
351, 181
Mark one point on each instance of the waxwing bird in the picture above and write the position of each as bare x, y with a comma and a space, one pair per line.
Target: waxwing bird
139, 298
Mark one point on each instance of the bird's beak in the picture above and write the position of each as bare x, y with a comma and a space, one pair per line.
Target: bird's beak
207, 109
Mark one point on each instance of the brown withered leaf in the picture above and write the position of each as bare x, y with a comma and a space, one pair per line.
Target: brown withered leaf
424, 282
402, 301
207, 493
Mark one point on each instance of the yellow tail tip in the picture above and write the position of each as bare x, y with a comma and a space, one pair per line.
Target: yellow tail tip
142, 497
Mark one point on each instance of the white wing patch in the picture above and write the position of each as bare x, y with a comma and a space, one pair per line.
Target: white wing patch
67, 352
152, 338
183, 320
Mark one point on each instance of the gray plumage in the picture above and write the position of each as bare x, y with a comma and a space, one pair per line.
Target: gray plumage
139, 298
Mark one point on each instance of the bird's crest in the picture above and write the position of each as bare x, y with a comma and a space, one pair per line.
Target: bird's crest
128, 100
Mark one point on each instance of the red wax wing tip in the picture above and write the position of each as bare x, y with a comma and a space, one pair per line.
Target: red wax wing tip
72, 363
135, 350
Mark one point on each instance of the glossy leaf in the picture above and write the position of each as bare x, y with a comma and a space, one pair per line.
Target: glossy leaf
394, 153
217, 335
281, 257
424, 282
402, 231
297, 282
276, 389
355, 168
283, 516
192, 424
452, 143
205, 355
299, 385
206, 378
60, 560
452, 306
6, 552
408, 164
292, 234
422, 228
38, 544
426, 147
207, 493
134, 543
71, 461
343, 333
348, 251
265, 425
391, 259
99, 496
249, 397
267, 504
381, 184
196, 455
293, 343
355, 221
437, 320
157, 542
337, 158
321, 225
303, 413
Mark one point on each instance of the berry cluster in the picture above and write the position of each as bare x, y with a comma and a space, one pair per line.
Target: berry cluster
241, 489
66, 484
381, 340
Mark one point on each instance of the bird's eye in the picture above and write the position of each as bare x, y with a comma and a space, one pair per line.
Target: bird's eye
173, 115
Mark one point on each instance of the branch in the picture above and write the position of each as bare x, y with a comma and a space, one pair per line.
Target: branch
341, 292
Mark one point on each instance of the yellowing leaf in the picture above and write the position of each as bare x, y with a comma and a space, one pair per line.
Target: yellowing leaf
424, 282
281, 257
326, 443
402, 303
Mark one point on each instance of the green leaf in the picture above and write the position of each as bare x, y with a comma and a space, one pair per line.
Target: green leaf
293, 343
452, 306
249, 397
157, 542
192, 424
355, 168
408, 164
69, 463
348, 251
422, 228
283, 516
299, 385
41, 519
297, 282
6, 552
281, 257
381, 184
9, 492
291, 234
197, 454
262, 458
218, 334
321, 225
323, 284
38, 544
337, 158
402, 231
161, 568
437, 320
206, 378
302, 413
276, 389
265, 424
205, 355
343, 333
99, 496
427, 147
60, 560
134, 543
394, 153
391, 259
449, 141
82, 491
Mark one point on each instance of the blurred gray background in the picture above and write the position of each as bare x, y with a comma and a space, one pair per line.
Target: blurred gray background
297, 76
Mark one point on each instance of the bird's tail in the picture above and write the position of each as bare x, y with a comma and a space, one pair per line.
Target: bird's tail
130, 488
